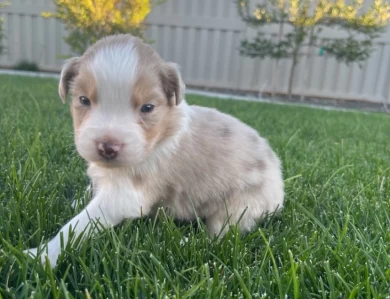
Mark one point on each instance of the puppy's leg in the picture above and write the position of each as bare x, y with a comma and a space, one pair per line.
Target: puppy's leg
107, 208
219, 223
246, 208
217, 226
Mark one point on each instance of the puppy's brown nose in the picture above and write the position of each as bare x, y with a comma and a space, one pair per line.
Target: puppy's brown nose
108, 150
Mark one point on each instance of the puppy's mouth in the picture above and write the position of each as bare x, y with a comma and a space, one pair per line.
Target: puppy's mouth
109, 163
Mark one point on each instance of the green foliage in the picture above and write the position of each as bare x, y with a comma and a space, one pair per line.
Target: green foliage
2, 35
349, 50
25, 65
263, 47
306, 20
88, 21
331, 240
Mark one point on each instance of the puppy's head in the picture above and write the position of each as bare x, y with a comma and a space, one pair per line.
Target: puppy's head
125, 100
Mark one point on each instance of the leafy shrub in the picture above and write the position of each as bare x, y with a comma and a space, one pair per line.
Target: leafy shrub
25, 65
88, 21
2, 35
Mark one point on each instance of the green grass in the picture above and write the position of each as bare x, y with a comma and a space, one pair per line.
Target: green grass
332, 240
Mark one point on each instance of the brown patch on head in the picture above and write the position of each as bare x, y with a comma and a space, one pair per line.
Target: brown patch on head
165, 73
146, 90
147, 86
79, 115
162, 125
84, 85
162, 122
157, 83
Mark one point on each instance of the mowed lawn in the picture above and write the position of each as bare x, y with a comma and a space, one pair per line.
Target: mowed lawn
332, 239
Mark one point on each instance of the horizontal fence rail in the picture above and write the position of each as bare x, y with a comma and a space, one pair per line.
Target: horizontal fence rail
203, 37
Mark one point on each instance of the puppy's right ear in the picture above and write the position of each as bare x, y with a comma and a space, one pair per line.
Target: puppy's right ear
69, 71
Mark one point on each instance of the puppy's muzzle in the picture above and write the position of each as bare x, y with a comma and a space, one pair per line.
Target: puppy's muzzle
108, 150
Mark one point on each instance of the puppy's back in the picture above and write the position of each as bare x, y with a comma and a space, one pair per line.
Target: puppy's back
221, 158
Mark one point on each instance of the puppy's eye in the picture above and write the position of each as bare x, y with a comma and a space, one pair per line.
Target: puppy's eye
84, 101
147, 108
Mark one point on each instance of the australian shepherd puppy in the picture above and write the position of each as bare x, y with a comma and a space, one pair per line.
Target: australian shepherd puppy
147, 148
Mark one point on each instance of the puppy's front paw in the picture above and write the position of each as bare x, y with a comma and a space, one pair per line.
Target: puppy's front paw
52, 254
32, 252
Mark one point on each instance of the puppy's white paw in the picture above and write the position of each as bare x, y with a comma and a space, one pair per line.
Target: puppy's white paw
52, 253
32, 252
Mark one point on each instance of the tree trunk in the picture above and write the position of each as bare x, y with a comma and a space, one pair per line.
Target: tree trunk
308, 62
292, 71
299, 38
276, 64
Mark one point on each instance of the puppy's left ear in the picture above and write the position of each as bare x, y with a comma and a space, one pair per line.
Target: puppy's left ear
172, 82
69, 71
